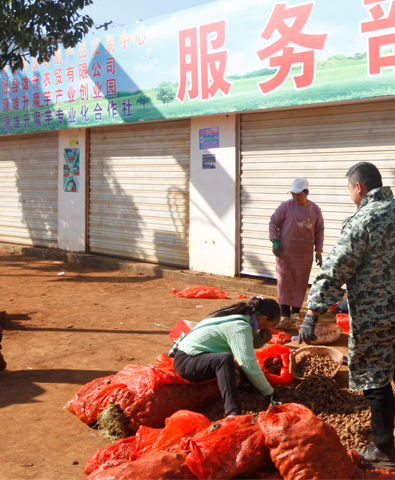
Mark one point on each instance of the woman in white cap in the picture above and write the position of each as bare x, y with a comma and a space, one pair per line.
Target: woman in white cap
296, 229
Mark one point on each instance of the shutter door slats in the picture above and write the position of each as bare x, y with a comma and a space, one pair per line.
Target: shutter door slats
29, 189
319, 144
139, 192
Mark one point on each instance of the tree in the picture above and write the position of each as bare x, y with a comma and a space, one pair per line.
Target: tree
36, 27
143, 99
165, 93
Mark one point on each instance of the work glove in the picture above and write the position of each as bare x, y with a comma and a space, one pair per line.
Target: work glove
318, 259
277, 248
306, 332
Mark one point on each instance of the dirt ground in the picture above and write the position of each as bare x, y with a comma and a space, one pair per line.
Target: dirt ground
65, 325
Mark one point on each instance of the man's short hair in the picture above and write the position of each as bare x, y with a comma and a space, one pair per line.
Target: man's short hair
366, 174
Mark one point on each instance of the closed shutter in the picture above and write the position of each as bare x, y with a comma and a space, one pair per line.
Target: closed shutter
139, 192
29, 189
319, 144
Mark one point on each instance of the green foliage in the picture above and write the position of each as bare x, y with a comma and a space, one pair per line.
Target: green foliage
143, 99
335, 59
165, 93
36, 27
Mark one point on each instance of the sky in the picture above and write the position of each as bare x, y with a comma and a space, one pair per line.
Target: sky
126, 12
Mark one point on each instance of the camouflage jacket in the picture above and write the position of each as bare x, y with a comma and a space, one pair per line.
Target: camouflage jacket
364, 260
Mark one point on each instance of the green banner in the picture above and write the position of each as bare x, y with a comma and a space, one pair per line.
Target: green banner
226, 56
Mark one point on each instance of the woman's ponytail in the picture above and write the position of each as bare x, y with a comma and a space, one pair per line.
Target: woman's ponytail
241, 308
257, 305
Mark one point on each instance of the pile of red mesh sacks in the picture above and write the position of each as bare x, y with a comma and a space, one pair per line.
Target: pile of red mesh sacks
149, 395
287, 442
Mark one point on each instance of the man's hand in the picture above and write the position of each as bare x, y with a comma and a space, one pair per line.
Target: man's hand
318, 259
277, 248
306, 332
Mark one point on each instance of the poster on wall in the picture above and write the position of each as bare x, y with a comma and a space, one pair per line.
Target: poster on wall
71, 170
225, 56
208, 161
208, 138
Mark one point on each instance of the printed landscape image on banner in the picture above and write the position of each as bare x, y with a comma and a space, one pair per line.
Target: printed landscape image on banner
226, 56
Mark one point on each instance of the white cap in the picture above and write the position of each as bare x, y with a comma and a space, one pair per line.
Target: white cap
299, 185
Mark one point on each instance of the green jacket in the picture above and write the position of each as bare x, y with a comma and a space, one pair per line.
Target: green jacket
235, 337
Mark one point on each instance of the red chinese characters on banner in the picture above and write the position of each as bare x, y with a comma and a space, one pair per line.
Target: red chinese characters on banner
97, 92
377, 58
124, 39
35, 81
289, 23
110, 45
140, 38
199, 41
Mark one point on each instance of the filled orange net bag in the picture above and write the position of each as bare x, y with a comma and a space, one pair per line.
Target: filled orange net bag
156, 465
110, 456
147, 440
229, 448
146, 395
274, 362
303, 446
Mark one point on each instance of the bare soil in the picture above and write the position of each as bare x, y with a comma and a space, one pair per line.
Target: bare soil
65, 325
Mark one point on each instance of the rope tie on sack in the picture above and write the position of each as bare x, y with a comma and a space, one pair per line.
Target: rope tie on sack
272, 405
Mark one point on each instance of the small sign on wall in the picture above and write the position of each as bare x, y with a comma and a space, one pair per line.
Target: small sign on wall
71, 170
209, 138
73, 141
208, 161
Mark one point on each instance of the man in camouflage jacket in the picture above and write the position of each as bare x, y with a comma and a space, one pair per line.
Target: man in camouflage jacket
364, 260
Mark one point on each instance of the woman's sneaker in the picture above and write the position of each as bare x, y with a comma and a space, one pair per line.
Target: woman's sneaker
373, 458
297, 319
285, 323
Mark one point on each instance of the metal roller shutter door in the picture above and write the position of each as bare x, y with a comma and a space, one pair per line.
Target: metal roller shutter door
139, 192
29, 189
319, 144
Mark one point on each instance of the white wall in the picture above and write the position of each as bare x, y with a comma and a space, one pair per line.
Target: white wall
71, 206
212, 235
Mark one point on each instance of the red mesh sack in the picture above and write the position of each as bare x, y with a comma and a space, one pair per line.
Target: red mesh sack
180, 424
157, 465
278, 336
274, 362
147, 395
237, 448
111, 456
303, 446
341, 319
200, 291
343, 322
146, 440
183, 326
